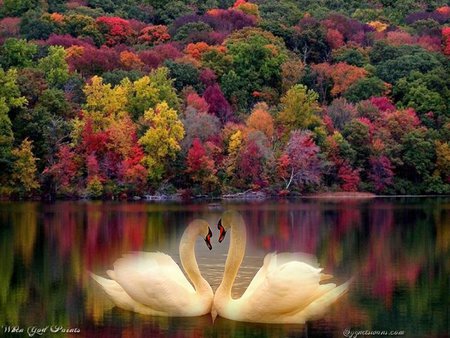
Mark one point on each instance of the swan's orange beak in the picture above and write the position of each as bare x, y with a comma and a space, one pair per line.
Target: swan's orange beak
222, 231
208, 239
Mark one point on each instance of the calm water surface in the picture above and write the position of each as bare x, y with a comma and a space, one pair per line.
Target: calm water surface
397, 250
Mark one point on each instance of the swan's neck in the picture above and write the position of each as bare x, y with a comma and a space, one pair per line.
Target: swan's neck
235, 256
189, 262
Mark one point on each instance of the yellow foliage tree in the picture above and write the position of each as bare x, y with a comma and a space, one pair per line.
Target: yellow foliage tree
24, 168
161, 142
442, 159
233, 151
299, 110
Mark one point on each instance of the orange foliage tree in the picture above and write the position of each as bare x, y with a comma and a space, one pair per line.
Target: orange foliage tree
342, 74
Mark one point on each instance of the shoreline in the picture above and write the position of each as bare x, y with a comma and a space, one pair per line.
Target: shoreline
254, 197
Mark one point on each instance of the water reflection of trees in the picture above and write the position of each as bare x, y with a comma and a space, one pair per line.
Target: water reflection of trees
397, 252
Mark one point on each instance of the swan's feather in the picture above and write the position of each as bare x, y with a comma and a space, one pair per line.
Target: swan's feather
282, 287
154, 280
118, 295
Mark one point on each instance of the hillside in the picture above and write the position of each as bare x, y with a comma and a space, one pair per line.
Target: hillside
107, 99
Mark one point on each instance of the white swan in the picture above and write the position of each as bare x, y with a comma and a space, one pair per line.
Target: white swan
151, 283
285, 290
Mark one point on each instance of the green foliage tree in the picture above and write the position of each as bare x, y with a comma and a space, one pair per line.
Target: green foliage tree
364, 89
17, 53
55, 67
257, 57
424, 92
17, 7
184, 75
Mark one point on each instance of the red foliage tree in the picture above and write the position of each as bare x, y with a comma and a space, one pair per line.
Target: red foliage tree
91, 61
350, 177
199, 165
197, 102
446, 40
218, 104
250, 165
300, 163
381, 173
9, 27
334, 38
154, 35
64, 171
382, 103
116, 30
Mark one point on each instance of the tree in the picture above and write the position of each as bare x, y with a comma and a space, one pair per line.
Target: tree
55, 67
199, 125
9, 91
392, 70
148, 91
365, 88
299, 109
341, 112
424, 92
299, 163
342, 75
218, 104
250, 166
6, 143
257, 57
45, 122
260, 119
154, 35
24, 168
291, 73
418, 155
116, 30
17, 53
309, 40
161, 141
200, 166
443, 160
184, 75
131, 61
350, 177
34, 26
352, 56
17, 7
357, 133
446, 38
381, 173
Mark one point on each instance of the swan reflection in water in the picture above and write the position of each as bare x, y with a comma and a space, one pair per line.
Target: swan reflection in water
286, 290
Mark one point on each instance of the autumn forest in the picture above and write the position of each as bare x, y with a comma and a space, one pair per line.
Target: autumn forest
115, 99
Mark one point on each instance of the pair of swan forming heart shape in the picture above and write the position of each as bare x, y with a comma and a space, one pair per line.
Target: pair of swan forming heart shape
286, 289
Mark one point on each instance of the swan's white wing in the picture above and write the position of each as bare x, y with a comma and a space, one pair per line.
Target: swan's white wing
287, 286
155, 280
260, 275
118, 295
273, 260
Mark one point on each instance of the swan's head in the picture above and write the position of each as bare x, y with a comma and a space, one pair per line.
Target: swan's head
228, 219
200, 228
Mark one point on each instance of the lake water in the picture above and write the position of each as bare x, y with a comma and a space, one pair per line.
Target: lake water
396, 249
